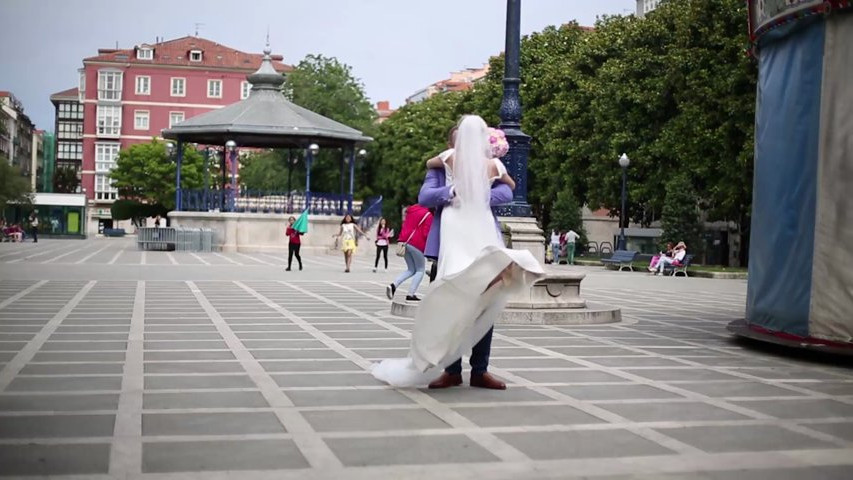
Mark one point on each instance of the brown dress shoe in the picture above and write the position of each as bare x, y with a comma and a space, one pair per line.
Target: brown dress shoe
447, 380
487, 380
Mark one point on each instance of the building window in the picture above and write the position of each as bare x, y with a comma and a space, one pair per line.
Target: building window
175, 117
109, 120
143, 85
69, 151
140, 119
145, 53
245, 88
195, 55
109, 85
214, 88
81, 89
70, 130
179, 86
105, 161
70, 111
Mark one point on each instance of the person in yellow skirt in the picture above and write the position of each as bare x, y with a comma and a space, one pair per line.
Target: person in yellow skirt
347, 235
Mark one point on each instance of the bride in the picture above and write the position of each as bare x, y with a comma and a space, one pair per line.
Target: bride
476, 274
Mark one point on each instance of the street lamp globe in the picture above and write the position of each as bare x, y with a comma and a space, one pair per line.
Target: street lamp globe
230, 145
624, 161
362, 153
314, 149
170, 147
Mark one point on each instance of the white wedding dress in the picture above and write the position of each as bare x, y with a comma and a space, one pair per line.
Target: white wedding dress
462, 307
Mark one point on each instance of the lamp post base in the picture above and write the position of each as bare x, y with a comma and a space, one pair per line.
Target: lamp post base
523, 233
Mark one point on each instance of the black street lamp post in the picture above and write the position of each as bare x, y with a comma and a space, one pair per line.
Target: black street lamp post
624, 161
510, 113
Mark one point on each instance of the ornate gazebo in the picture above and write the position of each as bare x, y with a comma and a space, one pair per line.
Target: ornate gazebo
266, 119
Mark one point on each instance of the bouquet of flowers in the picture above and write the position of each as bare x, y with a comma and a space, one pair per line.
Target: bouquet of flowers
498, 146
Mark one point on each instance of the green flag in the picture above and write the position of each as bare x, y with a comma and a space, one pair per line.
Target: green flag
301, 223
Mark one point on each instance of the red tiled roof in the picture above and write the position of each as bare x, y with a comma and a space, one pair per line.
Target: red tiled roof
71, 92
176, 52
5, 94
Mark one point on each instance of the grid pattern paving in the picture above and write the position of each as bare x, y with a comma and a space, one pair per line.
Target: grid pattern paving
246, 378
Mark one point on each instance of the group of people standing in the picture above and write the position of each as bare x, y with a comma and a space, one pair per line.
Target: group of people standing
563, 245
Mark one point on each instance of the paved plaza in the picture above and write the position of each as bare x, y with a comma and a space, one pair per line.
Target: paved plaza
118, 363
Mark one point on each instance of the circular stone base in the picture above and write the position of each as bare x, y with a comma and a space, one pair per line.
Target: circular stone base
592, 314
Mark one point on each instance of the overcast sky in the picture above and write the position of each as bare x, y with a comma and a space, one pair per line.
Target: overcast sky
395, 47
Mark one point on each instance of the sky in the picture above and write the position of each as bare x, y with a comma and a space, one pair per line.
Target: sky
395, 47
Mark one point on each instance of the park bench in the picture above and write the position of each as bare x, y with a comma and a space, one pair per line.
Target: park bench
621, 259
674, 270
114, 232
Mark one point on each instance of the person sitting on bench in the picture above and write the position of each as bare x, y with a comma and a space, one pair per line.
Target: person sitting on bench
677, 257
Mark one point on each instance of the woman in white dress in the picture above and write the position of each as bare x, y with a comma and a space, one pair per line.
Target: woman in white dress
476, 273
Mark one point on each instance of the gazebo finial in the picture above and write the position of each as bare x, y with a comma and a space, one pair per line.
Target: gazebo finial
266, 78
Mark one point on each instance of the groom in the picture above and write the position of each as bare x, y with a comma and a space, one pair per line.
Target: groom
435, 193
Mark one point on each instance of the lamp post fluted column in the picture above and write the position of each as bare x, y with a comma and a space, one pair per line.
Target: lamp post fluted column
510, 113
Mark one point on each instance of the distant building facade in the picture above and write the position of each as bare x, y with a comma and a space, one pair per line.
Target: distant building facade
458, 82
68, 150
646, 6
383, 111
16, 134
131, 95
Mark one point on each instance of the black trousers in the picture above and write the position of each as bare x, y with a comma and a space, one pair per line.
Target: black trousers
293, 249
381, 250
34, 231
479, 357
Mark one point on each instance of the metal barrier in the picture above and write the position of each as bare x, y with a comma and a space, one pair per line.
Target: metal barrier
175, 238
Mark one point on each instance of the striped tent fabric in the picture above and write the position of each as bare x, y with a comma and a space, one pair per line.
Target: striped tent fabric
800, 287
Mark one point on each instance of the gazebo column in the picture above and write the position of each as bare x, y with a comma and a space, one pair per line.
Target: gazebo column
351, 178
344, 159
179, 161
309, 159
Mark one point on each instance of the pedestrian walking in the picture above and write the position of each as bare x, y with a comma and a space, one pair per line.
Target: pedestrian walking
34, 225
294, 243
383, 237
571, 237
412, 242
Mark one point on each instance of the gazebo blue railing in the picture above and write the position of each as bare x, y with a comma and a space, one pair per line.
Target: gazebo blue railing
263, 201
370, 213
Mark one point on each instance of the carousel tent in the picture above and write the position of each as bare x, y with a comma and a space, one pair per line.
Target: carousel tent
800, 287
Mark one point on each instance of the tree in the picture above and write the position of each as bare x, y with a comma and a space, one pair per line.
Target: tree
328, 87
14, 188
65, 180
680, 214
145, 172
268, 170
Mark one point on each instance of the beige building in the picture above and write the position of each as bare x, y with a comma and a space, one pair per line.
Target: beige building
458, 82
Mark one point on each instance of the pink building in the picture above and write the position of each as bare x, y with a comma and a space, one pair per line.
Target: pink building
130, 95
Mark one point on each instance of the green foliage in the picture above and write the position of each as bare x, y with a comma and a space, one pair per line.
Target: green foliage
123, 209
145, 172
65, 180
674, 90
680, 215
14, 188
328, 87
268, 171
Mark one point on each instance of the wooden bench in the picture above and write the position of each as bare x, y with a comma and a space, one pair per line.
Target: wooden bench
622, 259
674, 270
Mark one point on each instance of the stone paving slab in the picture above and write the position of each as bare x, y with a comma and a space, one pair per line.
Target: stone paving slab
235, 369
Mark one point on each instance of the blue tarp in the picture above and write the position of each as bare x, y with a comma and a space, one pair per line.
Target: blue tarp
786, 158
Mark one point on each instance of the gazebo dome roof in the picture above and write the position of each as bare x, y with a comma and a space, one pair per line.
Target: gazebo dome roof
265, 119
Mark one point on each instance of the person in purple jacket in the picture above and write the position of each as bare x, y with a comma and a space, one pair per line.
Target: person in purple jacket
436, 194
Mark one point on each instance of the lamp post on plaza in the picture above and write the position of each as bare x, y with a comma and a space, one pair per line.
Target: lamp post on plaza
170, 150
311, 151
624, 161
231, 152
510, 114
